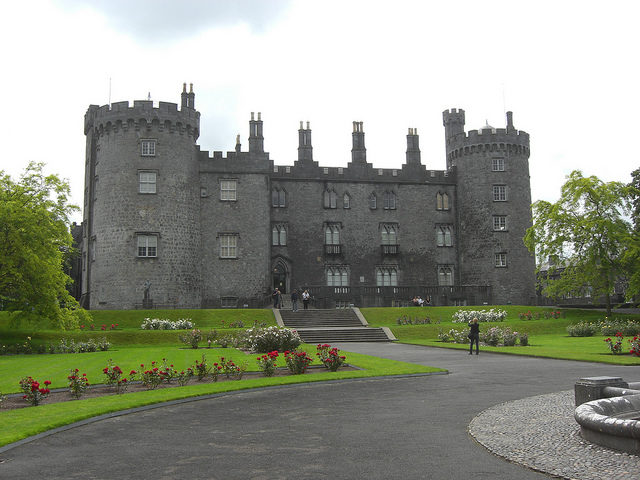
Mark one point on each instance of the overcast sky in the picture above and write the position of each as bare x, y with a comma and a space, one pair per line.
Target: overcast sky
567, 69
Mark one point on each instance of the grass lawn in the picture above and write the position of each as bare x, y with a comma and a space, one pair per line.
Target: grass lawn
547, 336
22, 423
132, 346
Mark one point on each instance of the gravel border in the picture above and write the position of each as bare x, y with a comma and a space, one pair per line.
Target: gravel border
540, 433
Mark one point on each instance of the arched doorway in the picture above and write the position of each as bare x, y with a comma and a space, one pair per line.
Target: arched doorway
280, 276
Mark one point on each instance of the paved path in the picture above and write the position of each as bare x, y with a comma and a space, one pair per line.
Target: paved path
404, 428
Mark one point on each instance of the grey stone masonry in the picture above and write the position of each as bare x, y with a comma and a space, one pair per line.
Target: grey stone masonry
214, 229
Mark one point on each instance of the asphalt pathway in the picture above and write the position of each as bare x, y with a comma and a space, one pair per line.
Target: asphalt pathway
387, 428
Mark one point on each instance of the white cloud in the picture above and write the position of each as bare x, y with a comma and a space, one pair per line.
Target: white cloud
567, 71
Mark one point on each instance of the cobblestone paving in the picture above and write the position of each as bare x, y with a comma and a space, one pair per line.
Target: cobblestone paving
541, 433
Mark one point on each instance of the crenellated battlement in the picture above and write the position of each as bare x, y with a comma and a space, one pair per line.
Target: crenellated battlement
494, 140
143, 115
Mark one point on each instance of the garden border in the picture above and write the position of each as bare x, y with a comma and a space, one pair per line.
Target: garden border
143, 408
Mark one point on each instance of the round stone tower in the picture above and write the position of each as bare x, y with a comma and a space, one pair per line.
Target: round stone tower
493, 206
141, 238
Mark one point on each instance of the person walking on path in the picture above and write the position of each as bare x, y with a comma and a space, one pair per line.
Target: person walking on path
294, 300
474, 336
305, 299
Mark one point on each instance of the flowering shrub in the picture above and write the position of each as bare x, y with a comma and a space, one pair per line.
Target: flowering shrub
492, 315
112, 372
78, 384
164, 324
615, 347
230, 369
297, 361
202, 369
151, 377
233, 340
169, 372
582, 329
184, 376
491, 336
330, 357
267, 363
33, 393
122, 384
71, 346
523, 338
509, 337
191, 337
635, 346
626, 327
268, 339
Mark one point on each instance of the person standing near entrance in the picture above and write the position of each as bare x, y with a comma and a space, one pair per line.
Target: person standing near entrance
276, 298
305, 299
294, 300
474, 336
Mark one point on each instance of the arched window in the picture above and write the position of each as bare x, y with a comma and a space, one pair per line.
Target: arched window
443, 236
389, 234
330, 199
389, 200
445, 275
279, 235
278, 198
346, 201
373, 201
332, 235
442, 201
386, 276
337, 276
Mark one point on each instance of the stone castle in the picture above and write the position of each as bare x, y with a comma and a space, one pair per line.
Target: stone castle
167, 225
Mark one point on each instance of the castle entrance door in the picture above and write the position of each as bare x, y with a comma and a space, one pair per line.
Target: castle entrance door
280, 278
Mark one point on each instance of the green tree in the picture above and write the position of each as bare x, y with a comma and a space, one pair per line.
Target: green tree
584, 234
632, 255
34, 238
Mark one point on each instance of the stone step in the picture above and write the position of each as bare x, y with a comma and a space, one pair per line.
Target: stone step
314, 336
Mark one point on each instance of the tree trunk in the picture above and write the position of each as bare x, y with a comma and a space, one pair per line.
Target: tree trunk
608, 297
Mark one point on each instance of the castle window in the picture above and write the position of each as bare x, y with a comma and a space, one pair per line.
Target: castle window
147, 182
499, 222
443, 236
442, 201
501, 259
228, 245
445, 275
147, 246
278, 198
332, 244
389, 200
148, 148
337, 276
373, 201
228, 190
389, 240
279, 235
499, 193
386, 276
497, 165
346, 201
330, 199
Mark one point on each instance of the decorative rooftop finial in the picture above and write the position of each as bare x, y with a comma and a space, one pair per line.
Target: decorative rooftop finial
300, 124
149, 96
184, 87
308, 125
259, 116
252, 116
191, 88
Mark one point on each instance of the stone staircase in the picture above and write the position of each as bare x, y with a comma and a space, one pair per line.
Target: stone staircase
332, 326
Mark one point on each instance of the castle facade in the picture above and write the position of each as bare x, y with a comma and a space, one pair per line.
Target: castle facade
167, 225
